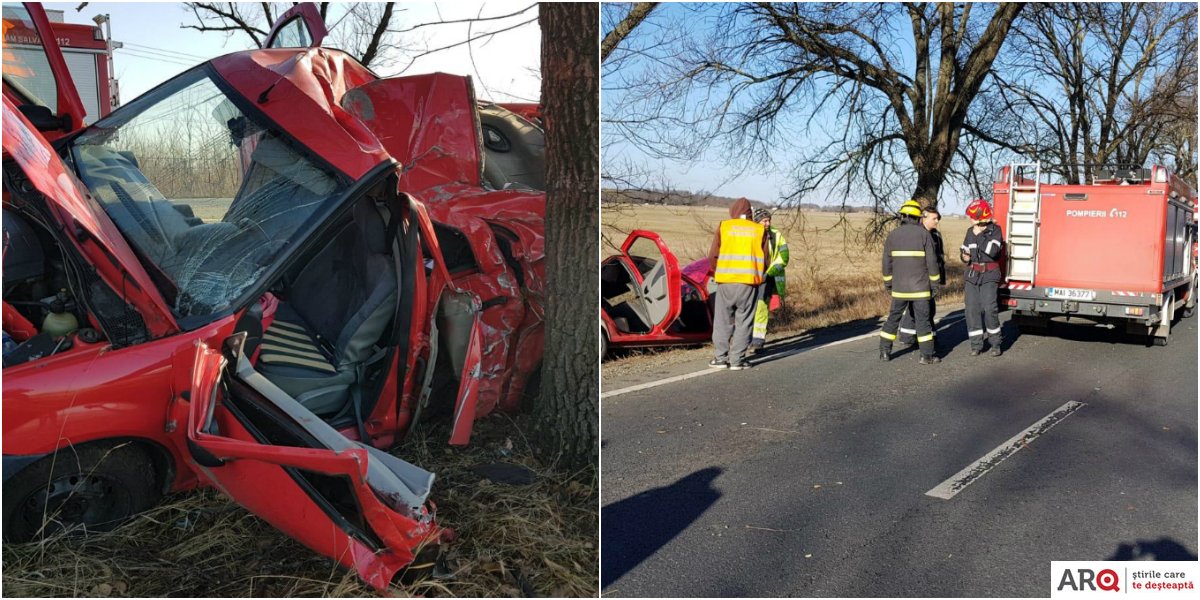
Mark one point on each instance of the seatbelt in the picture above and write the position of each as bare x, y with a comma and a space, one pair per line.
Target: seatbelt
360, 373
403, 304
356, 402
427, 379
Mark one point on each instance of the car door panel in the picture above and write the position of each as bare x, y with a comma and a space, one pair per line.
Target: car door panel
292, 27
658, 276
343, 499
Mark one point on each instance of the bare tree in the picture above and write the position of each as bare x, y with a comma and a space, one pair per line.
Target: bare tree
567, 415
360, 28
827, 83
369, 31
626, 180
1092, 84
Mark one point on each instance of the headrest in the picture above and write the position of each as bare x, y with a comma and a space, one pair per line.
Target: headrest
278, 157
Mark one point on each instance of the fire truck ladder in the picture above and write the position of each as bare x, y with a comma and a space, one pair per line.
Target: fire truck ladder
1024, 212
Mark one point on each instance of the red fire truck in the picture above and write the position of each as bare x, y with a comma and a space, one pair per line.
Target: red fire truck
85, 50
1117, 251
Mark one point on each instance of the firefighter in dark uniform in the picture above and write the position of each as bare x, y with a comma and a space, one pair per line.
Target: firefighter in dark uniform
981, 250
910, 270
930, 217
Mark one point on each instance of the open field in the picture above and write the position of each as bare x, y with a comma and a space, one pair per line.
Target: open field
834, 272
513, 541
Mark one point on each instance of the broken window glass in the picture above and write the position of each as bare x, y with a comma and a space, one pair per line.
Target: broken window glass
208, 195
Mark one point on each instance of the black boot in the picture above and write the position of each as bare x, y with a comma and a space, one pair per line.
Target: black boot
996, 351
929, 359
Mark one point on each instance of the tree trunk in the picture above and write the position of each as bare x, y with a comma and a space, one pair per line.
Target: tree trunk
929, 183
566, 416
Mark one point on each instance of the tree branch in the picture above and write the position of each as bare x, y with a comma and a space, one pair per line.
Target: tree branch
636, 15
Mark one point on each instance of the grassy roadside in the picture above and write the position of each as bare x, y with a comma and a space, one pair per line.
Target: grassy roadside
538, 539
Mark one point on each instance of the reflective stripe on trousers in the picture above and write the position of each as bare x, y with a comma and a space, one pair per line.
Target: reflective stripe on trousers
923, 323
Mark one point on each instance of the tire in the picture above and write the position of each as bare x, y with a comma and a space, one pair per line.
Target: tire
603, 343
79, 489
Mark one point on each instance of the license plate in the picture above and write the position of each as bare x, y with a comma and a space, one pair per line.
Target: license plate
1070, 294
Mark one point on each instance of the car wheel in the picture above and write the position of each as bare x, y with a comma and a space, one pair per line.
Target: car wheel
76, 490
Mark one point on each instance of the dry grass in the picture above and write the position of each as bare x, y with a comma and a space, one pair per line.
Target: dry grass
833, 273
539, 539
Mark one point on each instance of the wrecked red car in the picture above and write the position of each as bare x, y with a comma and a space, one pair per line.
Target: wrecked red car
256, 277
647, 300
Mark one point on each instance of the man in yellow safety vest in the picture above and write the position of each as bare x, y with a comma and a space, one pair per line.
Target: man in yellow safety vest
738, 262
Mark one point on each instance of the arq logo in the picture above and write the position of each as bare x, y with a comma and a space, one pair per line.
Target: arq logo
1083, 580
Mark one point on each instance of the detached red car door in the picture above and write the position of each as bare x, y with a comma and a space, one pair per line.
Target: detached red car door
357, 504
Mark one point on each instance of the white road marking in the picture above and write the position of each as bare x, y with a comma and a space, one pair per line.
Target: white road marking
950, 487
768, 358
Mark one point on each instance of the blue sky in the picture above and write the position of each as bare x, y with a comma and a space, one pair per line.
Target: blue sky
711, 171
505, 68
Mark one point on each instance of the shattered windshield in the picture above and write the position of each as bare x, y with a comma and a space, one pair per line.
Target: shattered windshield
207, 195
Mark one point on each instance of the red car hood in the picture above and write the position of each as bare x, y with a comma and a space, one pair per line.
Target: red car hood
697, 270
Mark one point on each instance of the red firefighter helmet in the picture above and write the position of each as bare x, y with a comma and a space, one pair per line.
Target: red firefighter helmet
979, 210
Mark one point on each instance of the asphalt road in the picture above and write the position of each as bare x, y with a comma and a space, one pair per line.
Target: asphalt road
807, 475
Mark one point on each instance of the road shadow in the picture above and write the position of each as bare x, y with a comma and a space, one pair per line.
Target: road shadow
1080, 330
952, 332
1160, 549
784, 347
636, 527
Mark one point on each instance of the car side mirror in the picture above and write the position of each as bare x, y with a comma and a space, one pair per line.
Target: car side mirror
43, 119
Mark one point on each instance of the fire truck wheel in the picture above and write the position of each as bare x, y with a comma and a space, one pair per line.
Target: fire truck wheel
79, 489
603, 343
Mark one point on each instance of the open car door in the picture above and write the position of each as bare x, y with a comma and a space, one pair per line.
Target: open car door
300, 27
657, 273
354, 503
